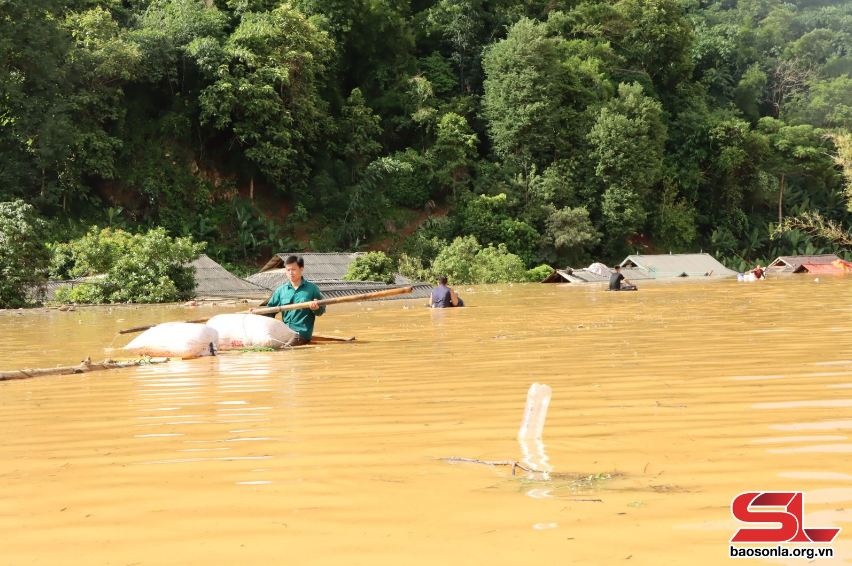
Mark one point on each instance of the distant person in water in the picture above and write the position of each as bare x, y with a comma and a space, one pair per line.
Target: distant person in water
443, 296
617, 281
759, 272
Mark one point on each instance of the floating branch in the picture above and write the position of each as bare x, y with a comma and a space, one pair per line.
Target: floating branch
513, 463
585, 478
83, 367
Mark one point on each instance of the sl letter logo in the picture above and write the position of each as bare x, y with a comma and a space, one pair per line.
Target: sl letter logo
782, 507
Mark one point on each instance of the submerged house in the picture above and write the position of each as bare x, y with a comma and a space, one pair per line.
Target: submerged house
667, 266
318, 267
640, 267
327, 270
822, 263
595, 273
213, 280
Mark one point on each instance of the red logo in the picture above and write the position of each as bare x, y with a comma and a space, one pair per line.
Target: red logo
782, 507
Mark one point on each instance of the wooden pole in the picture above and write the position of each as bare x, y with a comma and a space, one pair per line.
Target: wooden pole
334, 301
298, 306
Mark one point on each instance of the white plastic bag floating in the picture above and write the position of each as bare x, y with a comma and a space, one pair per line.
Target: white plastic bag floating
242, 330
176, 340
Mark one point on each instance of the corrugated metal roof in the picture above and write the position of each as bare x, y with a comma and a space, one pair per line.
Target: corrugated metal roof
793, 262
270, 280
326, 270
213, 280
318, 266
583, 275
678, 265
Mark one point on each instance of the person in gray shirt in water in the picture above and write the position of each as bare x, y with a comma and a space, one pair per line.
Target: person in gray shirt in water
444, 296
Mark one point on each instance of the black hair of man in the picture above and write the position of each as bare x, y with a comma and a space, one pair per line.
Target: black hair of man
617, 268
295, 259
442, 280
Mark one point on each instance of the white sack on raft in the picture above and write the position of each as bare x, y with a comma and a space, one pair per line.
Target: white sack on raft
243, 330
176, 340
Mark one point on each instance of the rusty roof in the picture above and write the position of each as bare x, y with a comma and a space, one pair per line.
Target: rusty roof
792, 263
827, 268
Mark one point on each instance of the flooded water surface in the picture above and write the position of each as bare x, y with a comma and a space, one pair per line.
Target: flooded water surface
666, 404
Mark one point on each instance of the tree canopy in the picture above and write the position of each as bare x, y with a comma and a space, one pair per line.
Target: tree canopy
561, 131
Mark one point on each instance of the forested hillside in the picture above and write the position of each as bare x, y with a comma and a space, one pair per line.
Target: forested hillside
566, 130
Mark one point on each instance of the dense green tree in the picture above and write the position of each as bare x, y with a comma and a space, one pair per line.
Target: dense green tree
460, 23
266, 94
259, 124
23, 255
654, 37
827, 103
737, 156
102, 60
454, 152
368, 203
627, 140
797, 154
373, 46
569, 235
34, 115
359, 130
843, 158
524, 100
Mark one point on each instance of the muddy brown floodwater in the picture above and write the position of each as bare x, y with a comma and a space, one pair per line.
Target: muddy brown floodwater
667, 403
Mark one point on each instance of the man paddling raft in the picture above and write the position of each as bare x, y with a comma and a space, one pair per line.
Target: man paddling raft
297, 290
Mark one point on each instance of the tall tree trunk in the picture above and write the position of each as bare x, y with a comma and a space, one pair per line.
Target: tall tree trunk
781, 200
251, 189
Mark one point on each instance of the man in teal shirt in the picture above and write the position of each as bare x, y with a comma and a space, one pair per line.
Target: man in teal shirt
297, 290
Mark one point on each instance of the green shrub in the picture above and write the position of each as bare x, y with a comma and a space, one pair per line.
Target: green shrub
456, 260
497, 265
412, 267
465, 261
136, 268
487, 218
89, 293
538, 274
372, 266
23, 255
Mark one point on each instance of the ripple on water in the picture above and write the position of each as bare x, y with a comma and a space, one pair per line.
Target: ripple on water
814, 448
783, 439
811, 403
816, 475
842, 424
